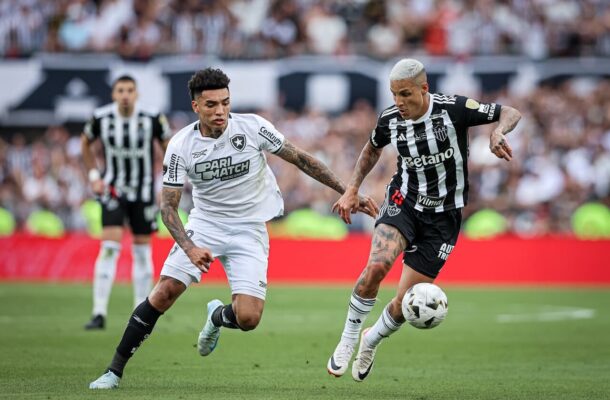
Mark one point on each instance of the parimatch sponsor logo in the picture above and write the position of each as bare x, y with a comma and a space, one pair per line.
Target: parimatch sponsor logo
222, 168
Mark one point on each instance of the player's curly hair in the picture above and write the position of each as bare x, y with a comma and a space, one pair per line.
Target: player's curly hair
207, 79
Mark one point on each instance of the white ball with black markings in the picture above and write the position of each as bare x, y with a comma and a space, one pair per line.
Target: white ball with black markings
425, 305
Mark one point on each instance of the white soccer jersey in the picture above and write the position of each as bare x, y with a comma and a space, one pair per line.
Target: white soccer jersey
230, 176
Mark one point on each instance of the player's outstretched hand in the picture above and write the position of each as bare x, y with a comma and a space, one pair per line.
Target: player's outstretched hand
368, 206
499, 146
201, 257
346, 205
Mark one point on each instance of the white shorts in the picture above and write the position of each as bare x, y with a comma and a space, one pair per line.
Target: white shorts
242, 248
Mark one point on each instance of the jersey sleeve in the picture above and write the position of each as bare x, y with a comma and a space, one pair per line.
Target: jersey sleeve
174, 167
470, 112
161, 129
92, 129
380, 137
269, 138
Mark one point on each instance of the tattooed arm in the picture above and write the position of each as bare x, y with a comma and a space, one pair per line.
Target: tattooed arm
509, 117
320, 172
348, 203
367, 160
311, 166
200, 257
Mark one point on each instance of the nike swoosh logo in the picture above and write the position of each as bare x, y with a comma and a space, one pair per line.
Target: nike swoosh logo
366, 373
333, 365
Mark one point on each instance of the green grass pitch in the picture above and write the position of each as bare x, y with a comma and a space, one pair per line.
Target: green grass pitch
497, 343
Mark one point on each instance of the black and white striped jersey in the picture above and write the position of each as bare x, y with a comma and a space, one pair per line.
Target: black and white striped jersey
433, 151
128, 148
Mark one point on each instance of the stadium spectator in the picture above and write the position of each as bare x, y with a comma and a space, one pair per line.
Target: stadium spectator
325, 32
567, 126
280, 31
229, 28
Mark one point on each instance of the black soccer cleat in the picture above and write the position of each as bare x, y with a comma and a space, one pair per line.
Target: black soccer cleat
98, 322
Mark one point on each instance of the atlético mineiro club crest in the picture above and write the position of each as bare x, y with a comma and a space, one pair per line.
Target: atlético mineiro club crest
440, 132
238, 142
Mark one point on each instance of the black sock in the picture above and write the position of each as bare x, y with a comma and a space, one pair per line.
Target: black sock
118, 364
139, 327
225, 316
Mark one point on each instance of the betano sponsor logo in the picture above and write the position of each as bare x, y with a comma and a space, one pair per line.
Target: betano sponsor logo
432, 159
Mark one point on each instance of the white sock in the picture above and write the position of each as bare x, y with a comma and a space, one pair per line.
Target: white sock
141, 272
103, 277
382, 329
357, 312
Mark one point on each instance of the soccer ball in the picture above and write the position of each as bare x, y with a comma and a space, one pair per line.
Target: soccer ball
425, 305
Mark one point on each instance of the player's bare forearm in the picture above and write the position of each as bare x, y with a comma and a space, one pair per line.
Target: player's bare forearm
88, 158
509, 117
170, 198
311, 166
366, 161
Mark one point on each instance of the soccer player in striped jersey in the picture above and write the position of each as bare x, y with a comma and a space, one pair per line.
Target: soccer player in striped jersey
128, 132
235, 193
421, 215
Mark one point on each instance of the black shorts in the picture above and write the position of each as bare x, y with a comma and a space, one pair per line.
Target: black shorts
430, 236
141, 216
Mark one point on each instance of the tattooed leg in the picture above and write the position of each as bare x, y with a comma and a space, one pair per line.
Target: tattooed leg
387, 244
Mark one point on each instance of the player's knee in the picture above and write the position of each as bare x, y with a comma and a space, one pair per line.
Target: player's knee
163, 296
249, 321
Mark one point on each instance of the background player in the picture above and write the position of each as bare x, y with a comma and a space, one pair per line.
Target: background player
421, 215
127, 132
234, 194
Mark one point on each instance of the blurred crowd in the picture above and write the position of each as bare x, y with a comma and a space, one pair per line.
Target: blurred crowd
561, 160
255, 29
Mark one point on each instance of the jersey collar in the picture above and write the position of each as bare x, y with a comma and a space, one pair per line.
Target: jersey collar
197, 130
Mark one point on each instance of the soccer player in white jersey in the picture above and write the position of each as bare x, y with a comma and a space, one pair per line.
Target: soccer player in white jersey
128, 132
234, 194
421, 215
